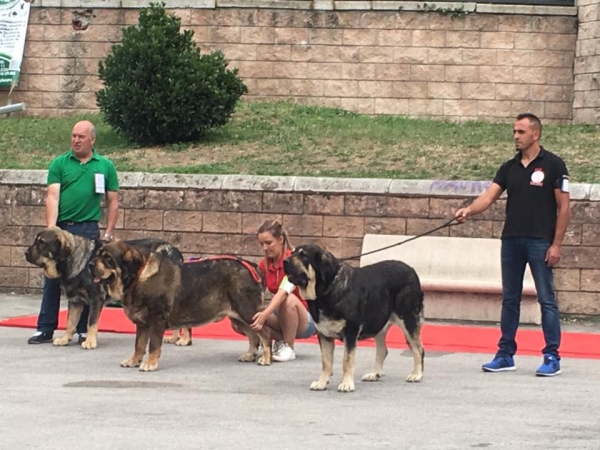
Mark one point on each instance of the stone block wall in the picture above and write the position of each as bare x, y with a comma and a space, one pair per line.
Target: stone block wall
206, 215
486, 62
586, 104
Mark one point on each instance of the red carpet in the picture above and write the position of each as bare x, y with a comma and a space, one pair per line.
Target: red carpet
442, 338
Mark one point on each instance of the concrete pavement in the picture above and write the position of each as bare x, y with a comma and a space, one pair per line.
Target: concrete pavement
202, 398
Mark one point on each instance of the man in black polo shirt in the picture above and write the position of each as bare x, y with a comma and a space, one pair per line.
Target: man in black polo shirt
78, 180
537, 215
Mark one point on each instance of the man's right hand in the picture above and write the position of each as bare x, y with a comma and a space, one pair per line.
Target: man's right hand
462, 214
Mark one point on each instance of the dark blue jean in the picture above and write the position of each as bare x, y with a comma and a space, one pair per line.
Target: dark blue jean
48, 318
516, 254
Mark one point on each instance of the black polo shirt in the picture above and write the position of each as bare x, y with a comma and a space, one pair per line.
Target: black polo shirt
531, 207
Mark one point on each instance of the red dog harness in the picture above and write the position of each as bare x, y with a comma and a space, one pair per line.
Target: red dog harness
255, 275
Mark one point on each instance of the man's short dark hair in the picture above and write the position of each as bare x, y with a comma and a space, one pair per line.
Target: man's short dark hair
533, 120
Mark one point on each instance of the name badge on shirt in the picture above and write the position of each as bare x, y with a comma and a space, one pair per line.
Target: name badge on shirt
99, 183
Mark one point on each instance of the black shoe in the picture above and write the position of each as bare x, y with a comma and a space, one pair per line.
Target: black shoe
40, 338
81, 339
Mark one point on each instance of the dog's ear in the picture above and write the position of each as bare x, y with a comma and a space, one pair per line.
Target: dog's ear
128, 256
64, 247
328, 266
150, 268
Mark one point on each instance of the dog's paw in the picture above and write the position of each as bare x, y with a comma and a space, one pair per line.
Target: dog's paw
149, 366
373, 376
318, 386
171, 339
183, 342
62, 341
346, 386
130, 362
263, 361
414, 377
89, 344
247, 357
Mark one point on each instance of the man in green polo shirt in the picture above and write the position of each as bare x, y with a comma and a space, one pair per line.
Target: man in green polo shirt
77, 182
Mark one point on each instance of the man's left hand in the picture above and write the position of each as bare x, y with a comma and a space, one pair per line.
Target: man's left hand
553, 255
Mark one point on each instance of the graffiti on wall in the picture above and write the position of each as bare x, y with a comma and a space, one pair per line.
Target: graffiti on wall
459, 186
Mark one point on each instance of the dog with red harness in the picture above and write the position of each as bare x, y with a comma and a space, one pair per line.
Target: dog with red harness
159, 294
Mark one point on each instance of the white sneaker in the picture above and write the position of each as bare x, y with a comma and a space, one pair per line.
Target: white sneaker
285, 353
276, 346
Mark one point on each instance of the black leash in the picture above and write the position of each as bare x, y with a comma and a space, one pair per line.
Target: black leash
450, 223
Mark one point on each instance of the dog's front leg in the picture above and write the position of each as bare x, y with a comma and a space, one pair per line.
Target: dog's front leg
157, 332
142, 334
327, 346
350, 338
265, 339
73, 315
91, 340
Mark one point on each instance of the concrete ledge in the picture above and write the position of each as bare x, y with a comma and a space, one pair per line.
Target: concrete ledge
180, 181
20, 177
323, 5
438, 188
432, 6
536, 10
342, 185
273, 4
257, 183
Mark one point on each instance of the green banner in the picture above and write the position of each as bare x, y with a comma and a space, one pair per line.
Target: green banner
14, 15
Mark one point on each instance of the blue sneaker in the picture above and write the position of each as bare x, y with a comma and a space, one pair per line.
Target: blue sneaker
500, 364
549, 368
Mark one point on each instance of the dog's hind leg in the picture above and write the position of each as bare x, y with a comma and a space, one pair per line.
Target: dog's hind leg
173, 338
157, 331
185, 337
381, 352
181, 337
327, 346
73, 315
411, 326
142, 334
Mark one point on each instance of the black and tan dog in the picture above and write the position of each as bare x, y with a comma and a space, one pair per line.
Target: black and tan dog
66, 256
158, 294
351, 304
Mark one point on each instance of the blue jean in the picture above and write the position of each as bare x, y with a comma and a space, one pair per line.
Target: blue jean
48, 317
516, 254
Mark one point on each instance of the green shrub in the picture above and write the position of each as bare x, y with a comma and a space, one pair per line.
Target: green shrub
159, 89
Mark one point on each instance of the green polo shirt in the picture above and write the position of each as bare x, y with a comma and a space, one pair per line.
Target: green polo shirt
79, 201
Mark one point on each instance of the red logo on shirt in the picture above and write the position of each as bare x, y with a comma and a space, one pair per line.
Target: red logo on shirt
537, 177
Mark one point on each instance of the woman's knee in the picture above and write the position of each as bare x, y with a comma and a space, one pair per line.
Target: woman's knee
289, 305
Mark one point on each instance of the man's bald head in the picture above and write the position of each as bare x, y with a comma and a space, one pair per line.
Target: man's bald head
83, 138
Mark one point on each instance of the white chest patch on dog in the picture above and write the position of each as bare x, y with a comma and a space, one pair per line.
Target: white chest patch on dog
331, 328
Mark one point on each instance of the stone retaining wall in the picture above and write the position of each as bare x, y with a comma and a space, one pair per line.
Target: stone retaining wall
220, 214
454, 61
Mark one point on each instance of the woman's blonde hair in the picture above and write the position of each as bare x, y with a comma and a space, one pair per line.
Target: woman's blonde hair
276, 229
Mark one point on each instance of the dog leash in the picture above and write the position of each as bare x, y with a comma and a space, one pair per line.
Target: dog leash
448, 224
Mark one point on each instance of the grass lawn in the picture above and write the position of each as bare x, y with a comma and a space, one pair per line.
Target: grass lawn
288, 139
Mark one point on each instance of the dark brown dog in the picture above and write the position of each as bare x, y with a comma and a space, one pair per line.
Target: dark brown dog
158, 294
66, 256
351, 304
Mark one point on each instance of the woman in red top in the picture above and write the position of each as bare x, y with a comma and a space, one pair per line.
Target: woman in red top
286, 315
